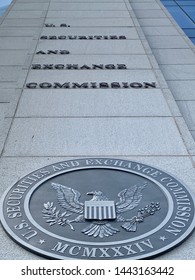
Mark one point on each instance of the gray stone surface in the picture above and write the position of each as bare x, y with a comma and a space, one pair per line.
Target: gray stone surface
87, 6
188, 110
92, 76
179, 72
98, 103
159, 31
15, 43
25, 14
183, 90
12, 57
86, 22
168, 42
174, 56
130, 33
21, 22
98, 136
131, 61
94, 46
87, 14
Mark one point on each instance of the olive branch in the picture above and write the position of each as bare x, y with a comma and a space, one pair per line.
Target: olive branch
54, 216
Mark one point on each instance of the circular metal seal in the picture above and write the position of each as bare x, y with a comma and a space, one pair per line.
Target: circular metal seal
98, 208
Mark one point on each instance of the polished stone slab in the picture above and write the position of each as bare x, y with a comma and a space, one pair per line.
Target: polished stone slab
130, 33
178, 72
183, 90
131, 61
25, 14
9, 73
155, 22
174, 56
80, 76
85, 103
150, 13
22, 22
98, 136
4, 127
18, 32
168, 42
15, 43
87, 14
55, 6
93, 46
188, 110
36, 6
89, 22
159, 31
12, 57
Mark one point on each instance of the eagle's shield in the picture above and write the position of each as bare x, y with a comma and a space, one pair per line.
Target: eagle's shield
100, 210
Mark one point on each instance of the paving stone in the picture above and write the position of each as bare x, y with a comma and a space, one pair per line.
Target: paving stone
9, 73
15, 43
178, 72
145, 6
183, 90
87, 14
4, 127
87, 6
21, 22
151, 13
131, 61
36, 6
25, 14
89, 76
155, 22
98, 136
18, 32
167, 42
130, 33
188, 110
159, 31
93, 46
84, 103
12, 57
174, 56
86, 22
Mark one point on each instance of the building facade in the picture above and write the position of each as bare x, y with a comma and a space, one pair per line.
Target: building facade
95, 78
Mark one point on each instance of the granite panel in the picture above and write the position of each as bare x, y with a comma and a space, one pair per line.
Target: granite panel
188, 110
183, 90
86, 6
12, 57
89, 76
150, 13
9, 73
130, 33
98, 136
178, 72
82, 103
174, 56
87, 14
36, 6
93, 46
159, 31
18, 32
96, 22
21, 22
131, 61
167, 42
15, 43
24, 14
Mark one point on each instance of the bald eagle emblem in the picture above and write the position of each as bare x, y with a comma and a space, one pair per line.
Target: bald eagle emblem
100, 211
